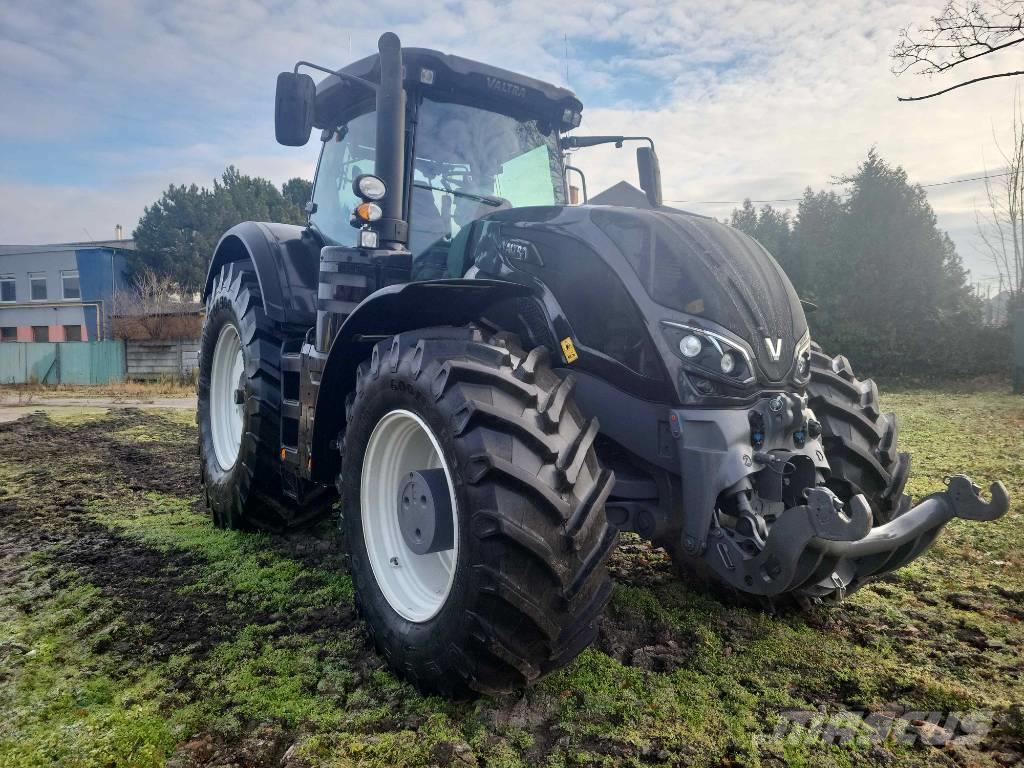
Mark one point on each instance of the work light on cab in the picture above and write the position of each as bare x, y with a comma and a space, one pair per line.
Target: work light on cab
369, 187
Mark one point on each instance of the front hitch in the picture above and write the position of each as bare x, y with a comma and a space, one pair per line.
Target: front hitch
825, 547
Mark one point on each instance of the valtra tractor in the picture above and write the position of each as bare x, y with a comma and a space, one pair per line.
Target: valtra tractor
490, 383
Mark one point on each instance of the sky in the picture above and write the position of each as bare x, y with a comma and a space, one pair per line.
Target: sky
107, 102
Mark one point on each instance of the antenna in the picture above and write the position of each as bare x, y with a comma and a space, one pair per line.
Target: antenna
565, 56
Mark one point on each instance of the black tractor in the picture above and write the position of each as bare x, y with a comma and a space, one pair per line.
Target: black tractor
490, 382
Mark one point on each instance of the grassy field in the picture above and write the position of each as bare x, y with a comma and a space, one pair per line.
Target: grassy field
132, 632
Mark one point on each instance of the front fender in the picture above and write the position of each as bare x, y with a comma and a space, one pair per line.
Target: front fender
287, 260
389, 311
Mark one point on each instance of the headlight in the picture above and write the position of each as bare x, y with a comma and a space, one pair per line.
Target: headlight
703, 350
690, 346
728, 363
369, 187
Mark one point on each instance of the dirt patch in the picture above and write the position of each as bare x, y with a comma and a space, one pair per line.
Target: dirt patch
639, 563
268, 746
148, 589
158, 606
166, 463
644, 644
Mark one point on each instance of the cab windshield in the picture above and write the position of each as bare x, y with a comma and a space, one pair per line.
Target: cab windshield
467, 162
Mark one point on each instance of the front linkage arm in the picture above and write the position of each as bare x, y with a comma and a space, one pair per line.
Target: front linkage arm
823, 542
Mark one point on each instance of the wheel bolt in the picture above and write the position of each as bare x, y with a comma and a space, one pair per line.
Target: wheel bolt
394, 562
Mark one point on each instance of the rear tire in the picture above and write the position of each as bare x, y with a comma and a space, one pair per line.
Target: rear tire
532, 539
242, 487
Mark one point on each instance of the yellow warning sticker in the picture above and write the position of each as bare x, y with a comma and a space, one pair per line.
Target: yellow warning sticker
569, 350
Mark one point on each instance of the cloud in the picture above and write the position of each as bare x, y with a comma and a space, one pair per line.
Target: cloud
41, 213
115, 100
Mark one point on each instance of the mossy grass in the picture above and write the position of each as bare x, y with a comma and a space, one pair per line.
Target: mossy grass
82, 685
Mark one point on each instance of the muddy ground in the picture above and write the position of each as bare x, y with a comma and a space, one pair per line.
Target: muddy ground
132, 632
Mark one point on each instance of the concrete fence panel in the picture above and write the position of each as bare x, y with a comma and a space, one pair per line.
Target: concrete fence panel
171, 358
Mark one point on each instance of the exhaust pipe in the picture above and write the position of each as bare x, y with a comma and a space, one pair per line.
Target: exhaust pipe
390, 162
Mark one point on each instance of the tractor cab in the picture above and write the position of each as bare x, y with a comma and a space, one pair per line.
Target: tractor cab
474, 140
465, 162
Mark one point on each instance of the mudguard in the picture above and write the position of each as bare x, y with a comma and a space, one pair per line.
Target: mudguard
287, 259
389, 311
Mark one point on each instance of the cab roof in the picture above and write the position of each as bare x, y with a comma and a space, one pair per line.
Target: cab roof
445, 77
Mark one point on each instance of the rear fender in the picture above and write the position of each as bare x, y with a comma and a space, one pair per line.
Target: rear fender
389, 311
287, 260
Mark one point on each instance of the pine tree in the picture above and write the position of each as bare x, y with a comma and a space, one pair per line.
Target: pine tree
177, 234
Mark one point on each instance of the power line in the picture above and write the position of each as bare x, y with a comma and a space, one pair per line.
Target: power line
736, 202
798, 199
961, 181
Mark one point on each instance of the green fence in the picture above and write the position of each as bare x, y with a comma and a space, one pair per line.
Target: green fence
72, 362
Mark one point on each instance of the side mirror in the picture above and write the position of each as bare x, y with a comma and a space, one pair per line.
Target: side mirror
294, 105
650, 174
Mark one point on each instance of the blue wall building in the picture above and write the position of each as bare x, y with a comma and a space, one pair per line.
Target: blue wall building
60, 292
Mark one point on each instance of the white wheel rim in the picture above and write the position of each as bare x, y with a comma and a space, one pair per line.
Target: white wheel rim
226, 416
415, 586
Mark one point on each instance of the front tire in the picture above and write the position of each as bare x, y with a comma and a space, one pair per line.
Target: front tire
859, 440
528, 572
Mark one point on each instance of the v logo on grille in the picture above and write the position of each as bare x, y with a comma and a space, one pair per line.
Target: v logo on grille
774, 350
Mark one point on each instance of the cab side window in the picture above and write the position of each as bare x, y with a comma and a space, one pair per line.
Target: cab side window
347, 153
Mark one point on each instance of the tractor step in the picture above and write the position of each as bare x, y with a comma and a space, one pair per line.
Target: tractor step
301, 367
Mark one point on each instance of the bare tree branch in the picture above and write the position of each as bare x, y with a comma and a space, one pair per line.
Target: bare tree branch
959, 85
1001, 227
964, 31
155, 307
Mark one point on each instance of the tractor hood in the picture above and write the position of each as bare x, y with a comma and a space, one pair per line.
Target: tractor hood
680, 270
710, 271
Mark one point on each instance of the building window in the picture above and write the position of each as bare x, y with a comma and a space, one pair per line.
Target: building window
7, 292
69, 281
8, 333
40, 333
37, 286
72, 333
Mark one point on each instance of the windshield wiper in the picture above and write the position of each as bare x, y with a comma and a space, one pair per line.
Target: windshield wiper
491, 200
579, 142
